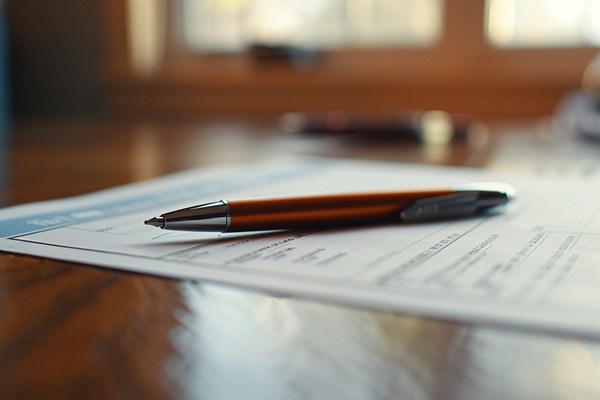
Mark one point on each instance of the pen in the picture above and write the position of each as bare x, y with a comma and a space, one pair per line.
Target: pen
336, 210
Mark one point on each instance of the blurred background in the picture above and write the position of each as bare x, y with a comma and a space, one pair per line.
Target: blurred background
193, 58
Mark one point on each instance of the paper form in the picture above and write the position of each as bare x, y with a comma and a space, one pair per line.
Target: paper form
534, 264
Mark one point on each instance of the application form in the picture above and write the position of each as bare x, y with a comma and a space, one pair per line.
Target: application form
534, 264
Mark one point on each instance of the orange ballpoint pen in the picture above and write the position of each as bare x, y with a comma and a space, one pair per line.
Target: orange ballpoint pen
335, 210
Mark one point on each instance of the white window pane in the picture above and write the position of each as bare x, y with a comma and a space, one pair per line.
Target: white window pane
233, 25
543, 23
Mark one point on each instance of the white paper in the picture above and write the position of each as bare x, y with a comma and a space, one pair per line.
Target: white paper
534, 265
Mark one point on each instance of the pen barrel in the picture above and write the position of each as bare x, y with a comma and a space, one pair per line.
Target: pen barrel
314, 212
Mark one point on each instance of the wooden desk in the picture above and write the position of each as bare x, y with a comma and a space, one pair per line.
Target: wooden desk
81, 332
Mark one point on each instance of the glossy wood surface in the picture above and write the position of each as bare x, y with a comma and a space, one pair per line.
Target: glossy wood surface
74, 331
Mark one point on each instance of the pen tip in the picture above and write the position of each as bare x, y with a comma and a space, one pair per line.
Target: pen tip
155, 221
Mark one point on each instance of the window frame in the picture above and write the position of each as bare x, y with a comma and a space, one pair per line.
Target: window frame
461, 73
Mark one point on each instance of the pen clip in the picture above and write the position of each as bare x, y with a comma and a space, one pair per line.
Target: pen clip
460, 204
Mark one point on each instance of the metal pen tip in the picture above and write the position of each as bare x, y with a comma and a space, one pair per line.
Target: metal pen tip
159, 222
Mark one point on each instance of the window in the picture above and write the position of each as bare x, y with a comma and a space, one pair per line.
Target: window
233, 25
511, 58
226, 26
543, 23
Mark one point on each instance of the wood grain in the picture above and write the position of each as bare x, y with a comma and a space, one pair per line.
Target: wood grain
72, 331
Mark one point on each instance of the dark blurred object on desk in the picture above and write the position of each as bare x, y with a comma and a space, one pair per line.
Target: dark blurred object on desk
579, 112
429, 127
294, 55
